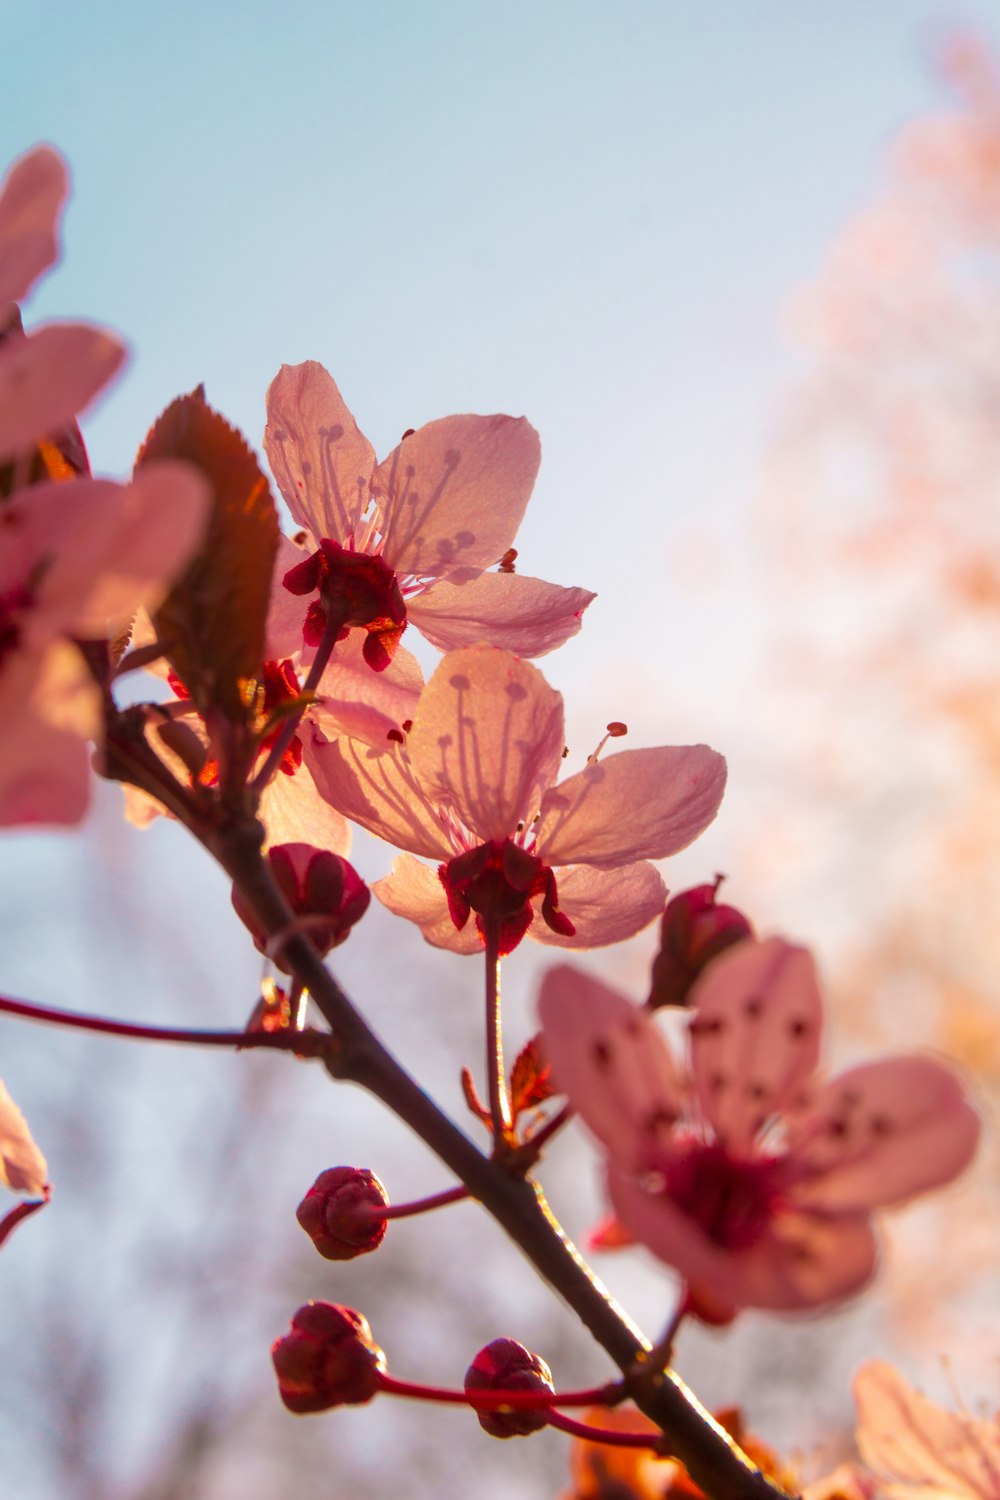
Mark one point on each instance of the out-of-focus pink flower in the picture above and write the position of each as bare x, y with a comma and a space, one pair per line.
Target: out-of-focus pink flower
472, 786
75, 560
50, 374
752, 1177
410, 539
22, 1165
922, 1451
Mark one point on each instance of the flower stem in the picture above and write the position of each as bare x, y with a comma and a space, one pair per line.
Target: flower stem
305, 1042
494, 1400
496, 1077
333, 627
651, 1441
17, 1215
407, 1210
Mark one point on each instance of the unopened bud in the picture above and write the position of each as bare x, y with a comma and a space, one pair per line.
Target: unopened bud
506, 1365
694, 929
337, 1212
327, 1358
326, 894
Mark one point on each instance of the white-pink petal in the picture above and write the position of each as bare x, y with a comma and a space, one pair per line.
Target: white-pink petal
605, 906
293, 811
523, 615
48, 377
930, 1453
611, 1061
377, 789
22, 1165
486, 739
413, 890
452, 494
755, 1036
353, 700
881, 1133
31, 199
637, 804
322, 463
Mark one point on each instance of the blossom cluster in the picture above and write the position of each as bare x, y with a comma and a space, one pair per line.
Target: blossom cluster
285, 707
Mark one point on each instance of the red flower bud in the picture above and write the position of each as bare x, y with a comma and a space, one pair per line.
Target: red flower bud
694, 929
506, 1365
327, 1358
322, 889
329, 1212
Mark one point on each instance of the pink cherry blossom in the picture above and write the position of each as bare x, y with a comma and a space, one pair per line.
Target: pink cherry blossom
923, 1451
472, 785
76, 559
51, 374
745, 1172
410, 539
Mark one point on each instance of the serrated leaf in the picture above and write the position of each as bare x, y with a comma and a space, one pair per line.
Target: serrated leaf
213, 621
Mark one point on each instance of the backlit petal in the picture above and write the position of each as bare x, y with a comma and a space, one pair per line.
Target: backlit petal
48, 377
321, 462
934, 1453
362, 704
31, 197
22, 1165
487, 738
637, 804
293, 811
881, 1133
754, 1036
413, 890
377, 789
611, 1061
605, 906
523, 615
452, 494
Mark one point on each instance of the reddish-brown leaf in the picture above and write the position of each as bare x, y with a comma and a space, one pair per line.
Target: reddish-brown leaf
212, 623
530, 1078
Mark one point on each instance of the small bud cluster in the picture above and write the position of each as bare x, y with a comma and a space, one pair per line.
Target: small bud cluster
694, 929
341, 1212
506, 1365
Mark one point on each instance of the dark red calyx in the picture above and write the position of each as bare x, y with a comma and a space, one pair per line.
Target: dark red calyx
329, 1212
279, 686
506, 1365
327, 1358
497, 881
694, 929
357, 590
321, 888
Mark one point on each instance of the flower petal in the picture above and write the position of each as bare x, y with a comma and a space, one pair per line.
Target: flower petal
353, 700
31, 197
801, 1261
880, 1133
610, 1059
637, 804
413, 890
487, 737
48, 377
523, 615
605, 906
452, 494
293, 811
22, 1165
378, 790
321, 462
45, 699
754, 1036
936, 1454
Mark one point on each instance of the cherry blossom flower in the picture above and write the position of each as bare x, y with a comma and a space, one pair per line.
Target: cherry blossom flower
751, 1177
76, 558
49, 375
923, 1451
410, 539
472, 786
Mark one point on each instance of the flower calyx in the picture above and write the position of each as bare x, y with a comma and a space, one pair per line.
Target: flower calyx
327, 1358
694, 929
497, 881
355, 589
324, 891
507, 1365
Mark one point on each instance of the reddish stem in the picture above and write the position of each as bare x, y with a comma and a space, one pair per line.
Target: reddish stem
17, 1215
417, 1206
650, 1441
281, 1041
497, 1400
495, 1075
324, 651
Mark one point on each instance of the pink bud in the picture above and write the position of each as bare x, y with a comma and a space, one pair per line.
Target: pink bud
328, 1358
329, 1212
694, 929
506, 1365
322, 889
